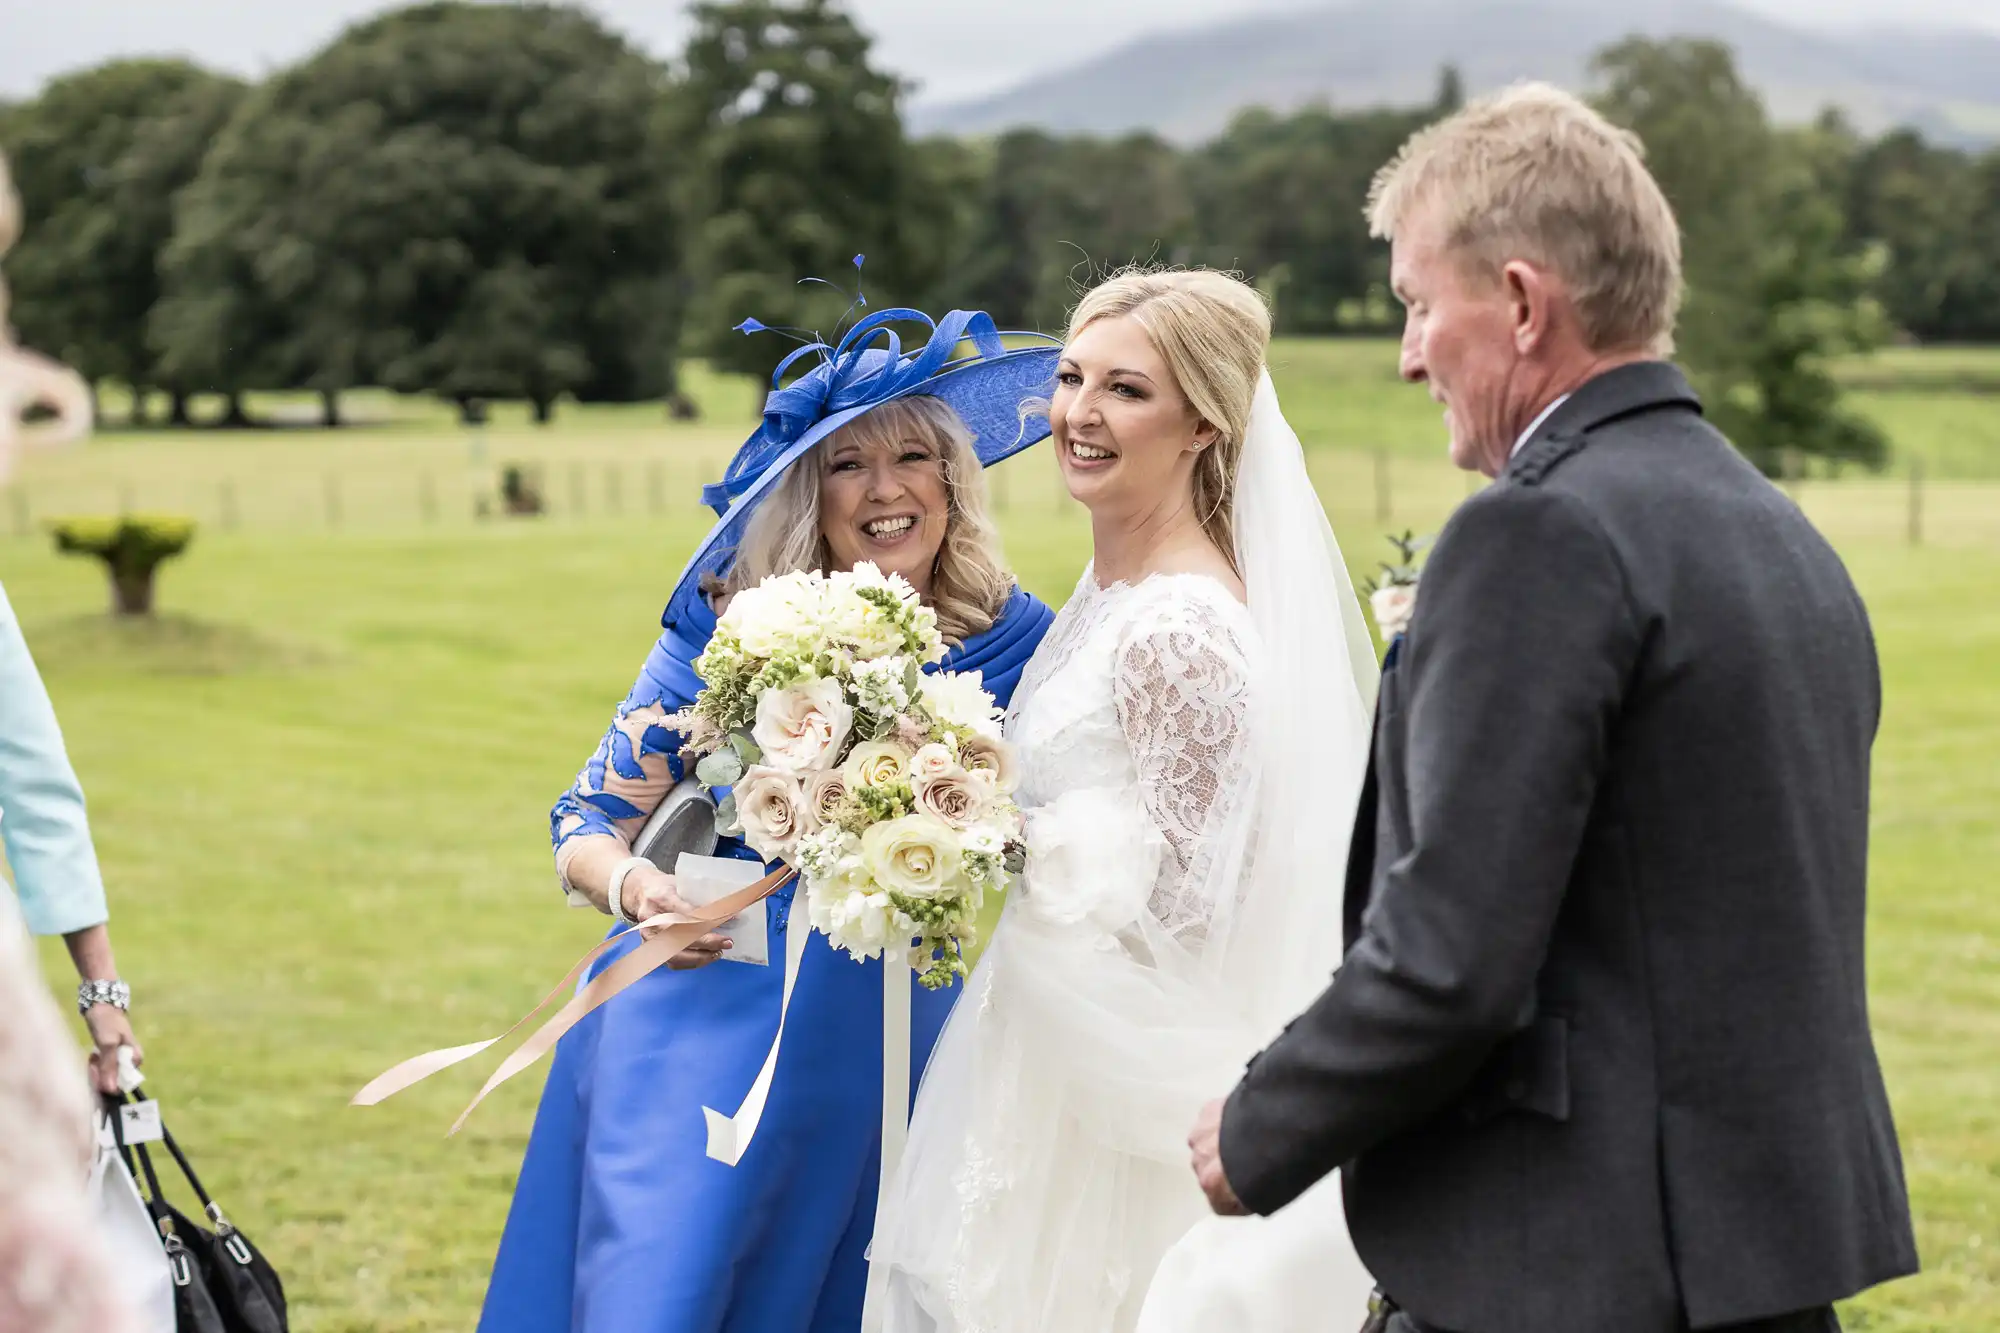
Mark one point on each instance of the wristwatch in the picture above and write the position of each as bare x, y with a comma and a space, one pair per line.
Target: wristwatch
92, 993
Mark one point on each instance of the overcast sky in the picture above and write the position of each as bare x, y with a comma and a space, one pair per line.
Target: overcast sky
953, 48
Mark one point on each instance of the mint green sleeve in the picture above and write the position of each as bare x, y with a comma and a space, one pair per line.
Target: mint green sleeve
42, 819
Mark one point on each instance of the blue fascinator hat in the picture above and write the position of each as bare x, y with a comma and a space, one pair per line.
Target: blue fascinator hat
963, 361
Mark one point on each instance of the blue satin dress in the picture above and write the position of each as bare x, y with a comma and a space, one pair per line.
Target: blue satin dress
621, 1223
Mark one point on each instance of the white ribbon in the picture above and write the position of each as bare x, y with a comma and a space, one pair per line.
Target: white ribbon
729, 1136
895, 1112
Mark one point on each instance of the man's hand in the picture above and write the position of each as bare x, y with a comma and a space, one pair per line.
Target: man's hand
1206, 1143
110, 1028
651, 892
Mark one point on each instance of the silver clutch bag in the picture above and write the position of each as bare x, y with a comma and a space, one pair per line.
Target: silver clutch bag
684, 822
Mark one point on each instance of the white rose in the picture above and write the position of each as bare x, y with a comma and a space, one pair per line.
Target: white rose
1393, 607
917, 855
960, 699
769, 806
954, 797
802, 728
876, 764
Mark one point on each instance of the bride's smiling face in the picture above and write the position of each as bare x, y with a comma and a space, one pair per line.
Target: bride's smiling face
1126, 436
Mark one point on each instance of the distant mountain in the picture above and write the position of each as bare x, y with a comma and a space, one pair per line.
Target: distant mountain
1185, 85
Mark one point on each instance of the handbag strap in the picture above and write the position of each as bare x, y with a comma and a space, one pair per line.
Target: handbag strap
157, 1200
224, 1228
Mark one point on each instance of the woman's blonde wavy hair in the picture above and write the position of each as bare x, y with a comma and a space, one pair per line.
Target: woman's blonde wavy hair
1212, 329
970, 582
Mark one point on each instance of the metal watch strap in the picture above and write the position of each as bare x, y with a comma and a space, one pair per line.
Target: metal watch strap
93, 993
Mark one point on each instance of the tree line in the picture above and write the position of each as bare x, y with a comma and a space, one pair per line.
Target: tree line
483, 201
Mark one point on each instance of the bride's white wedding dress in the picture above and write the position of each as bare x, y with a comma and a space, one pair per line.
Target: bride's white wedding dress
1189, 769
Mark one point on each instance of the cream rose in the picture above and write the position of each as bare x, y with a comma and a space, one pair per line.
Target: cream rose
1393, 606
991, 759
917, 855
802, 728
770, 807
955, 797
825, 792
877, 764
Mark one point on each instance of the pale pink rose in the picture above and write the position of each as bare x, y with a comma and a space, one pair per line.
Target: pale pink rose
981, 754
801, 729
957, 798
1393, 607
771, 808
933, 761
825, 793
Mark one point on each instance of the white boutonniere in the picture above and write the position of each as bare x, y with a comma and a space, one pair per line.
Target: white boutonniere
1393, 597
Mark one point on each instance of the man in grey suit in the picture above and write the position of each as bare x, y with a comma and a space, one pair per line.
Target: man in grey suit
1598, 1059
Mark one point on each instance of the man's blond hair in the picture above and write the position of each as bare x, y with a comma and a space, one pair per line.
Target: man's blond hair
1532, 173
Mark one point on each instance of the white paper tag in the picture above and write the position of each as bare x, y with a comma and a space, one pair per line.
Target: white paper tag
141, 1124
701, 880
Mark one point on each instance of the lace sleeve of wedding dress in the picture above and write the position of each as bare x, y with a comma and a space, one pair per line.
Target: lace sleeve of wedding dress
1181, 682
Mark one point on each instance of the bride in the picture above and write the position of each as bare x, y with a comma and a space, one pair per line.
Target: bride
1193, 733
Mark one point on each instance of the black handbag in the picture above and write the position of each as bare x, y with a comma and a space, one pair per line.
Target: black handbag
222, 1284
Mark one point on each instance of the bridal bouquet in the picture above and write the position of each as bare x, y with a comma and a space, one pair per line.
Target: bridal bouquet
888, 790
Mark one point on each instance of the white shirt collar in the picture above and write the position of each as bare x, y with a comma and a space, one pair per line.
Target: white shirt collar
1536, 424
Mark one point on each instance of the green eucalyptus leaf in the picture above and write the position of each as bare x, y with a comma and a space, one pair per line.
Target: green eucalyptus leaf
720, 769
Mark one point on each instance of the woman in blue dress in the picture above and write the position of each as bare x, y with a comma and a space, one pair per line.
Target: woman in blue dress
620, 1222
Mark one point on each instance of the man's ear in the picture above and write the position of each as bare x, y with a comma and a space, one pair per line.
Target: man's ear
1530, 303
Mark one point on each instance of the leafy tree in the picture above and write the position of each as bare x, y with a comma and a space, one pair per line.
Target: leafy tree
1774, 288
802, 164
1933, 208
1052, 215
469, 200
101, 156
1287, 191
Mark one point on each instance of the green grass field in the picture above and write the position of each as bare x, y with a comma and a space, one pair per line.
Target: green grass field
320, 787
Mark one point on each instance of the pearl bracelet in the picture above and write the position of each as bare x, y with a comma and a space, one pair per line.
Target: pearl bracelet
616, 894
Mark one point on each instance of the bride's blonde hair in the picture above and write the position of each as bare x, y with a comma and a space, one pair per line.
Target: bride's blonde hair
1212, 329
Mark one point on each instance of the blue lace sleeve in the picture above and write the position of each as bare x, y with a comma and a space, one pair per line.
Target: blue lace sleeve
636, 762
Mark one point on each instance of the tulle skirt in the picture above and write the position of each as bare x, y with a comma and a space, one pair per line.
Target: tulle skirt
1046, 1186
